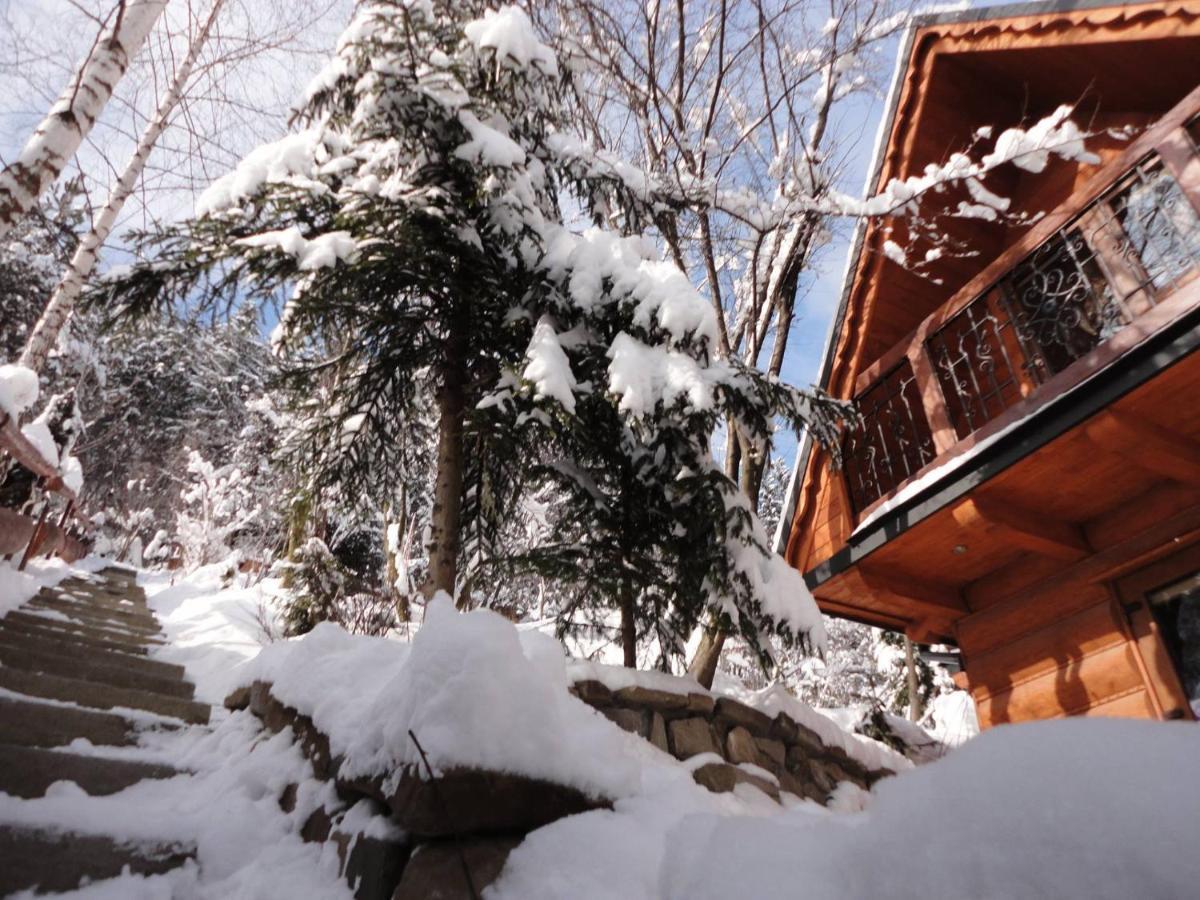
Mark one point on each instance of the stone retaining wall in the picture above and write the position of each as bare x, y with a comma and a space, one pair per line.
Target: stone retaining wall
750, 743
473, 818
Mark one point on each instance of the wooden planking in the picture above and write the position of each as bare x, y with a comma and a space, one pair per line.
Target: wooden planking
929, 598
1132, 705
1070, 638
1027, 530
1149, 509
1147, 445
1067, 690
1006, 581
988, 629
930, 547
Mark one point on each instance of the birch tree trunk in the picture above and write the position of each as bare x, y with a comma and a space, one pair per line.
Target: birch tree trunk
75, 112
62, 301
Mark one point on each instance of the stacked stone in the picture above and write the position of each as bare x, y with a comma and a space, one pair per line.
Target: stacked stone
772, 754
470, 819
463, 819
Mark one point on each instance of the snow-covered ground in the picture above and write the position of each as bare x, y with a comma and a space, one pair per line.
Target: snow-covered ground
1082, 808
18, 587
215, 622
1078, 808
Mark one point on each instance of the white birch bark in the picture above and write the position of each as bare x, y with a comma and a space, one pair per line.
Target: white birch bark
62, 301
76, 110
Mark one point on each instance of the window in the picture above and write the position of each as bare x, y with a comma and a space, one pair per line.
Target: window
1176, 611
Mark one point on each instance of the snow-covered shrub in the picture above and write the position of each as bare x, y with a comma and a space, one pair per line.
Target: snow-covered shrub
219, 503
321, 587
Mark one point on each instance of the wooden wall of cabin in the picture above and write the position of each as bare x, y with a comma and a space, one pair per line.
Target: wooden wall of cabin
1073, 655
1038, 645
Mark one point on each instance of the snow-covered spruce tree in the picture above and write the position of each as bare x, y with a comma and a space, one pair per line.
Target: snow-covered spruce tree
649, 523
416, 224
391, 222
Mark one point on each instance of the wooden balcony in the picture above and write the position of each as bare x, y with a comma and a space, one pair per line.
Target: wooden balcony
1114, 265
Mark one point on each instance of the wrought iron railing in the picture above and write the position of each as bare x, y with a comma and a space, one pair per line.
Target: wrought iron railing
1116, 256
891, 441
1122, 255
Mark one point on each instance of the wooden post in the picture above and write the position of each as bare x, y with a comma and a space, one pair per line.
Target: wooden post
1181, 161
35, 539
932, 398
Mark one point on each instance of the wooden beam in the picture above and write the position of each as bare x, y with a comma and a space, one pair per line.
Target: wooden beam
929, 630
1030, 531
862, 615
929, 598
1147, 445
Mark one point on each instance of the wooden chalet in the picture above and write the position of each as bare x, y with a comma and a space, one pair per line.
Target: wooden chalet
1025, 480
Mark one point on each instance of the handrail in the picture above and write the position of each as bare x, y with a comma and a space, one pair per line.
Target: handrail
23, 451
20, 448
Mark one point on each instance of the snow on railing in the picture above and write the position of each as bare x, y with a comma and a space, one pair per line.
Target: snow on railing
36, 536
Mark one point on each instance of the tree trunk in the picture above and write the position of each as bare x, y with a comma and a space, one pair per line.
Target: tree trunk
628, 625
75, 111
914, 687
704, 664
62, 302
446, 516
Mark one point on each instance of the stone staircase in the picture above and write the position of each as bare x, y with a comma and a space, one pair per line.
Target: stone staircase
75, 663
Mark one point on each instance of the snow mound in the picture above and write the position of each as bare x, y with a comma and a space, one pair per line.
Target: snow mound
548, 367
289, 159
18, 389
1103, 809
319, 252
476, 692
38, 433
72, 473
1075, 808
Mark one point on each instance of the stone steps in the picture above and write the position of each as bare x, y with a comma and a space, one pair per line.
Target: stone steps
98, 618
72, 654
33, 724
58, 861
28, 771
47, 624
100, 696
95, 651
96, 671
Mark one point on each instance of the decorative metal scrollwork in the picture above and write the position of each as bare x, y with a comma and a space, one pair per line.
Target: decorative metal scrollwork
1119, 257
1061, 304
977, 374
892, 440
1159, 231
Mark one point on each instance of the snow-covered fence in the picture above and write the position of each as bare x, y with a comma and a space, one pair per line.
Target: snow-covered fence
19, 532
